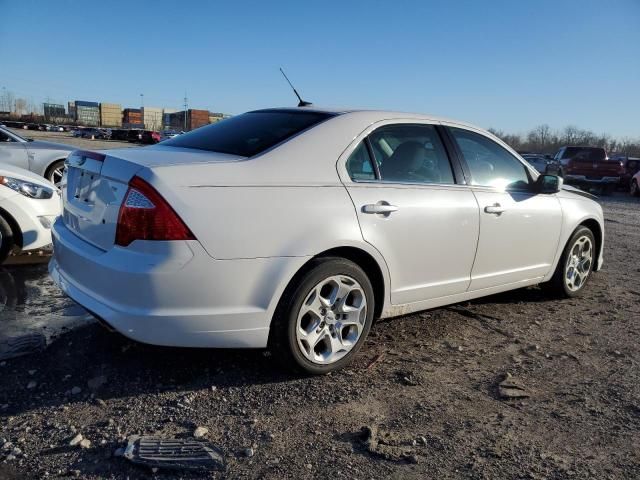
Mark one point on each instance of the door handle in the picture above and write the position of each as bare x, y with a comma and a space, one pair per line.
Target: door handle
380, 208
495, 209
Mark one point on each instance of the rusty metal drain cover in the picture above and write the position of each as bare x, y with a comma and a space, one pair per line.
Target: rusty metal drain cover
173, 453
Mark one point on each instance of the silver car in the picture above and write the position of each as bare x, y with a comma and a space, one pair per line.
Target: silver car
44, 158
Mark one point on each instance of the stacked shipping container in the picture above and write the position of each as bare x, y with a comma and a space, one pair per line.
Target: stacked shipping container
132, 118
152, 118
110, 115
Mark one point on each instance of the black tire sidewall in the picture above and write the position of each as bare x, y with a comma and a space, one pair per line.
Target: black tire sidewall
51, 168
320, 270
8, 242
581, 231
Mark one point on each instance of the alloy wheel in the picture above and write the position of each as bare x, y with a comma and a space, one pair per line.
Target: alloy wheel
331, 319
578, 266
56, 175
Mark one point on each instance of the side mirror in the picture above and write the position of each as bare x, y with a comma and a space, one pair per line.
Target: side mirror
548, 184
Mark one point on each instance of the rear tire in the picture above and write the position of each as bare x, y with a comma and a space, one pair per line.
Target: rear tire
323, 317
575, 265
7, 241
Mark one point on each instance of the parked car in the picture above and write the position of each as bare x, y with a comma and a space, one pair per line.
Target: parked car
44, 158
589, 167
29, 205
119, 134
134, 135
543, 164
630, 166
295, 228
150, 137
634, 185
94, 133
167, 134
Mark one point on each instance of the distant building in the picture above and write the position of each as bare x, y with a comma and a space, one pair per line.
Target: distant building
71, 107
87, 113
54, 113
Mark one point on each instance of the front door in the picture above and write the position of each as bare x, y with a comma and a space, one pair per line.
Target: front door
519, 229
412, 211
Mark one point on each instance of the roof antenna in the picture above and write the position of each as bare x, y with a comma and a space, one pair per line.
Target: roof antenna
302, 103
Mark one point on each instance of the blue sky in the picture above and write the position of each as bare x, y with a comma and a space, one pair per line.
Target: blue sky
505, 64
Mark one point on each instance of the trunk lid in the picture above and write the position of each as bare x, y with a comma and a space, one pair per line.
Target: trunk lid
96, 183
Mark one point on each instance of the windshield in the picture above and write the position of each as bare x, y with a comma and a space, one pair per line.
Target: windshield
14, 135
251, 133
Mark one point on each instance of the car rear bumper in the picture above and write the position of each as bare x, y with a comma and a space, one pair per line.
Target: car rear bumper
582, 179
172, 293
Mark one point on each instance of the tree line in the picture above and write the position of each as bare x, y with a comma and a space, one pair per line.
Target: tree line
542, 139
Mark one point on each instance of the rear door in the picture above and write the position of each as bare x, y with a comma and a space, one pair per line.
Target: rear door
13, 152
412, 210
519, 229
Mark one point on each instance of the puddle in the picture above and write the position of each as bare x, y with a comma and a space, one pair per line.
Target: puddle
33, 311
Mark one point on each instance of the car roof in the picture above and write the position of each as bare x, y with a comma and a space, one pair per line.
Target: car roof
381, 114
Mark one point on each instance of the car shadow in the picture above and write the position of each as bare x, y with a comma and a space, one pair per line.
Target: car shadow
129, 369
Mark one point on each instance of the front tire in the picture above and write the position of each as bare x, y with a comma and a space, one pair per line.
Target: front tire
575, 265
634, 190
7, 241
324, 317
55, 172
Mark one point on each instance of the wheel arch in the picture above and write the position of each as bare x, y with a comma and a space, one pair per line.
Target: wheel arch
595, 227
15, 227
50, 166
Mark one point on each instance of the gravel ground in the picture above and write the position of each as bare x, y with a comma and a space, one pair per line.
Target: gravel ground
422, 400
66, 137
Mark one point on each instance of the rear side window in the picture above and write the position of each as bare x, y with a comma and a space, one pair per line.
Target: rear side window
359, 164
251, 133
411, 154
585, 154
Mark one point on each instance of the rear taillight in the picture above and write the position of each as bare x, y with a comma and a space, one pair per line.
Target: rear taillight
145, 215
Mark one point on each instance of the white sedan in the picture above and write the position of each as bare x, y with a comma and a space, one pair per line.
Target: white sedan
296, 228
29, 205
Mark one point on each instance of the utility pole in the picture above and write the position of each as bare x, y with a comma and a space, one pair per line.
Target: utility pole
142, 100
186, 104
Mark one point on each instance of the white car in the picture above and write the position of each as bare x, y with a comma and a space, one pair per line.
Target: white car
29, 205
634, 185
296, 228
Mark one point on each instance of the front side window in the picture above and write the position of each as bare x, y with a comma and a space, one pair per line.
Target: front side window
411, 154
249, 134
490, 164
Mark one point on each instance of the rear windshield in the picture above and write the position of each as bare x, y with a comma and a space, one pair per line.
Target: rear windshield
585, 154
249, 134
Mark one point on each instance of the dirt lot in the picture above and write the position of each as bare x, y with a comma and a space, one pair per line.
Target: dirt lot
426, 385
66, 137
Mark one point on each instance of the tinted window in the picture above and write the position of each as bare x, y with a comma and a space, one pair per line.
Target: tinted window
411, 153
585, 154
249, 134
489, 163
359, 164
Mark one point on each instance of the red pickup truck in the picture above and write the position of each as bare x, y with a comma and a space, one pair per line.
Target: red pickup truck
589, 167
